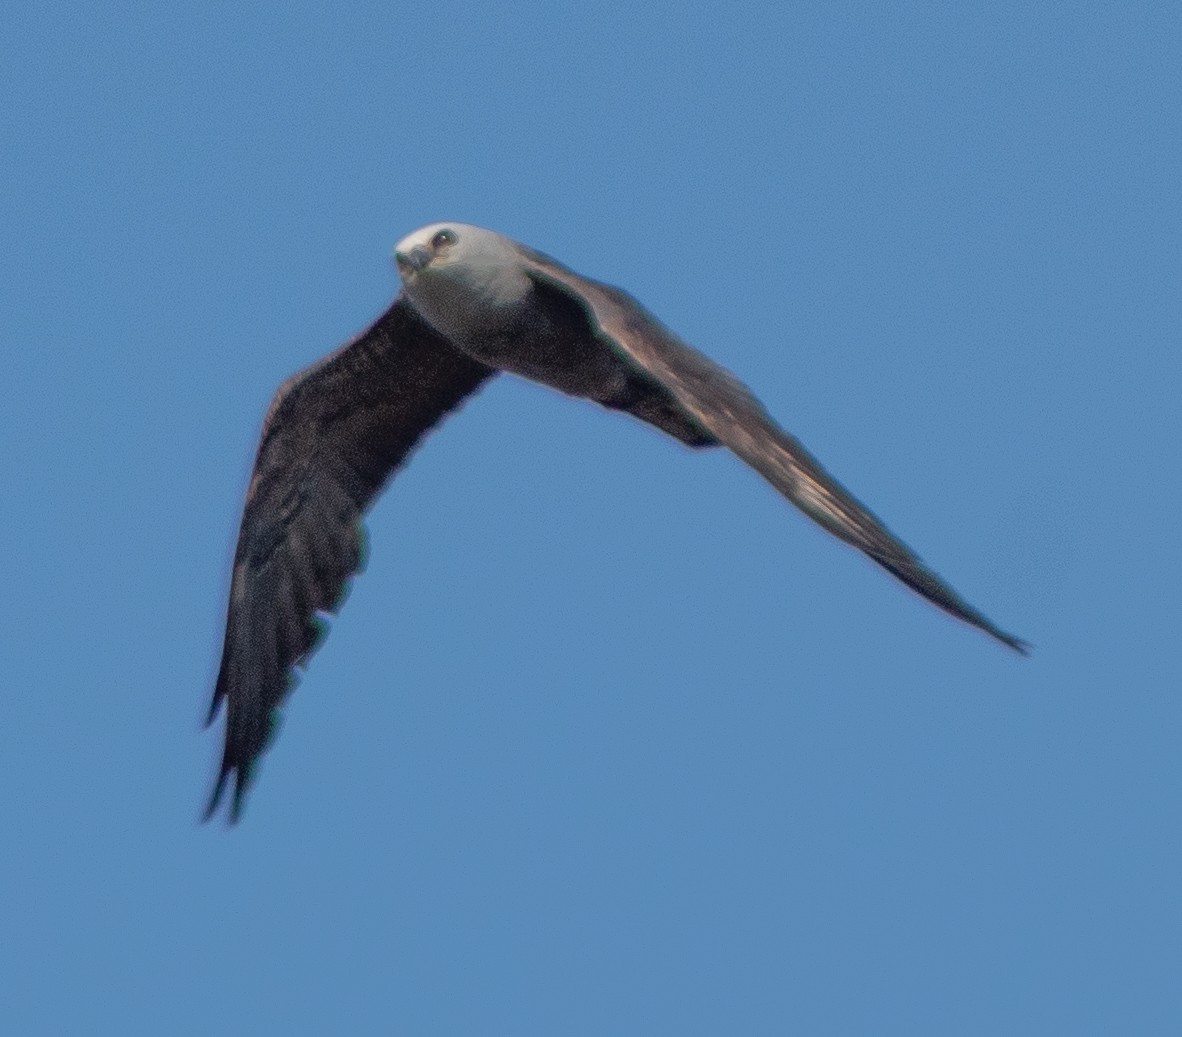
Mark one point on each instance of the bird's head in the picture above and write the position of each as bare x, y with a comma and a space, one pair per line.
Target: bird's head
458, 276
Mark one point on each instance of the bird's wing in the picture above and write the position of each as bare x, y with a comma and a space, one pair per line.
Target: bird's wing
333, 435
726, 407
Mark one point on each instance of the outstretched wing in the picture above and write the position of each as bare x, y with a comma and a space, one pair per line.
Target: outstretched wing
726, 407
333, 435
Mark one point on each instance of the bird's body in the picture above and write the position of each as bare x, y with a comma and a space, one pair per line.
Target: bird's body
528, 327
473, 303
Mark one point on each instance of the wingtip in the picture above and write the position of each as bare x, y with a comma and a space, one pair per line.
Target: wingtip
237, 797
215, 797
1023, 648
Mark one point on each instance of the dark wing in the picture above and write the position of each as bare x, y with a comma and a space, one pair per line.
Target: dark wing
333, 435
726, 407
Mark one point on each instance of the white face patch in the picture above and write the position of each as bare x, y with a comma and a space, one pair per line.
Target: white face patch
466, 281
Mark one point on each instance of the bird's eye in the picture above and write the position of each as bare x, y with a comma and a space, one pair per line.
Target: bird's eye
443, 238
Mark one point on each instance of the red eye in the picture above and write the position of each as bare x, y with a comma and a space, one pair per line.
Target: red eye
443, 238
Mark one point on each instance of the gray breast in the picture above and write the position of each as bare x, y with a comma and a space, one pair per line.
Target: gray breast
548, 337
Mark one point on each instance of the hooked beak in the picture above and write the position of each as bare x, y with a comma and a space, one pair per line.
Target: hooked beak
412, 262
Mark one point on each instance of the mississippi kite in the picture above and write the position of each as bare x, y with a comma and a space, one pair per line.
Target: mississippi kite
473, 303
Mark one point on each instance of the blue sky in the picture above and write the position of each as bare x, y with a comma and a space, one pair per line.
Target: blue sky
607, 739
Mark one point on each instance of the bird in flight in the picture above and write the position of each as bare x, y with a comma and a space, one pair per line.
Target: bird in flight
473, 303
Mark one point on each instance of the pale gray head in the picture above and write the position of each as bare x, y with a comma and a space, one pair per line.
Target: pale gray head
458, 276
